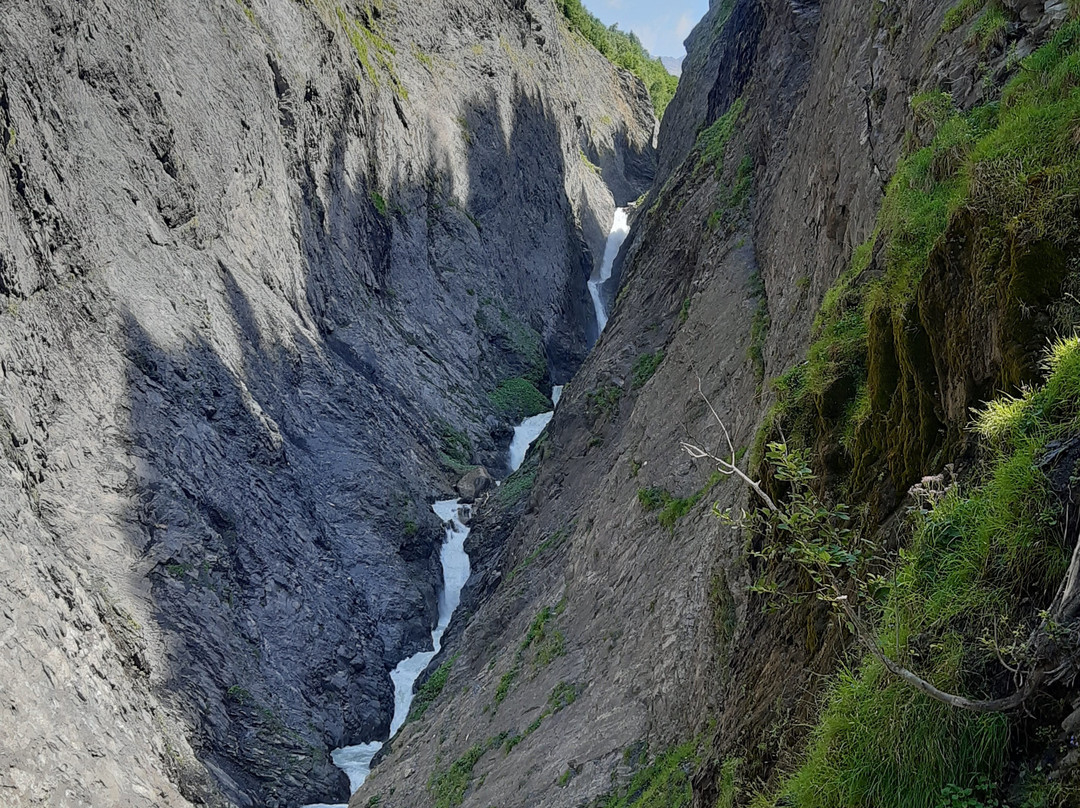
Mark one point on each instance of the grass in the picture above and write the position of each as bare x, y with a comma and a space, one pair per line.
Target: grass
448, 787
430, 690
521, 342
1002, 179
589, 164
671, 508
991, 29
517, 399
644, 368
664, 783
562, 696
684, 311
981, 559
733, 201
372, 50
712, 141
379, 203
518, 485
455, 448
547, 643
960, 13
603, 402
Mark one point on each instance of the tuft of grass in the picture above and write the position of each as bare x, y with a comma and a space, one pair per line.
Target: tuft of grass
547, 643
653, 499
518, 485
430, 690
960, 13
728, 786
562, 696
379, 203
991, 29
664, 783
372, 50
448, 786
671, 508
455, 444
684, 311
603, 402
589, 164
712, 142
644, 368
505, 683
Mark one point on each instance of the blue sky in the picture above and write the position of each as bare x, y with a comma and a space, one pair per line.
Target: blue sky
662, 26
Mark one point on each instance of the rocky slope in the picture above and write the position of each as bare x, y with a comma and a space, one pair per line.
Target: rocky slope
266, 267
617, 655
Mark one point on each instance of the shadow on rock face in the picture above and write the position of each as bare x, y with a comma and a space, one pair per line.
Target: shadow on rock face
291, 453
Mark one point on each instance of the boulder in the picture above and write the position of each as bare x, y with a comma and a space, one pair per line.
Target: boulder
474, 484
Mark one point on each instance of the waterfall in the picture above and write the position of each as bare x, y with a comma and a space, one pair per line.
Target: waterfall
619, 230
529, 430
355, 761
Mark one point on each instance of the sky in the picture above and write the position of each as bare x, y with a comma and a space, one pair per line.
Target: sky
661, 26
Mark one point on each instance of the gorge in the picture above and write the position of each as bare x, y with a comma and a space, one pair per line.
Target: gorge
288, 285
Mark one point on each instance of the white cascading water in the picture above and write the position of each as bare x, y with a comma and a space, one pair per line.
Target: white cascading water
619, 230
529, 430
355, 761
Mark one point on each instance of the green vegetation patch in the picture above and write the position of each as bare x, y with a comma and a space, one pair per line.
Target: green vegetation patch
671, 508
430, 690
664, 783
449, 786
623, 49
517, 399
511, 336
1000, 180
960, 13
562, 696
644, 368
602, 403
379, 203
455, 448
712, 142
981, 563
372, 49
547, 643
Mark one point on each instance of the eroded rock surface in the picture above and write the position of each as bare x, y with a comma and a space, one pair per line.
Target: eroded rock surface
255, 258
612, 617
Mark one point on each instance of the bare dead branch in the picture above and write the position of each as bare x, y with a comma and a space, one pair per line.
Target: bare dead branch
724, 467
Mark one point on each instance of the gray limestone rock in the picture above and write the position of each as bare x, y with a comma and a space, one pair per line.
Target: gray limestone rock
475, 483
255, 257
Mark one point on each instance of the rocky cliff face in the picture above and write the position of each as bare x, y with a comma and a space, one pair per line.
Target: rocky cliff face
616, 655
266, 267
